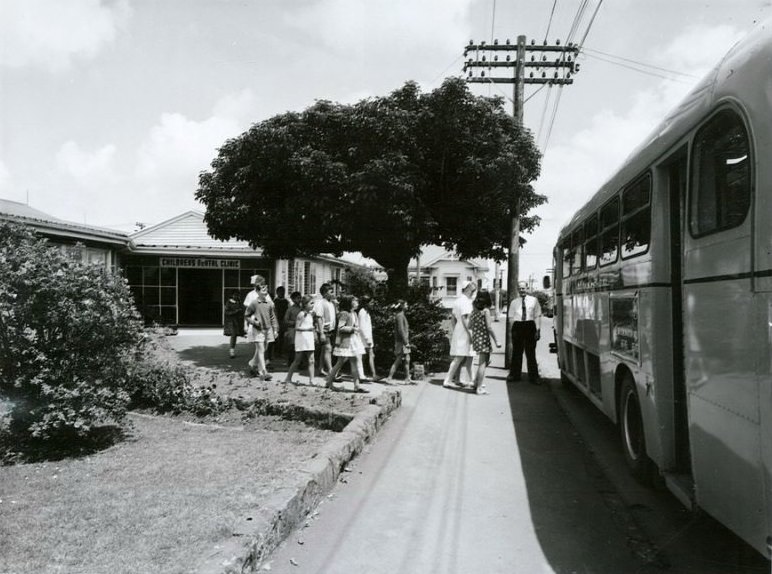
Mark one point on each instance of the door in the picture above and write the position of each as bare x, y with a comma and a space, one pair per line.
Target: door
200, 297
677, 194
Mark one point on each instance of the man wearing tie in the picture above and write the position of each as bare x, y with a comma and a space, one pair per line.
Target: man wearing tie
525, 314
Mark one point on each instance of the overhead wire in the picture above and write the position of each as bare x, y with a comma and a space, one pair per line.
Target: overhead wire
549, 24
640, 70
587, 30
591, 51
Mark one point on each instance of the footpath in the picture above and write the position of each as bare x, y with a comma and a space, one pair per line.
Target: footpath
455, 482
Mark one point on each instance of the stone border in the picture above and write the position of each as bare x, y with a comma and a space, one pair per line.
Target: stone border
248, 547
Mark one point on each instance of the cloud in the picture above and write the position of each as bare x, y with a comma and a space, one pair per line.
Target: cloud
90, 170
349, 26
51, 33
178, 148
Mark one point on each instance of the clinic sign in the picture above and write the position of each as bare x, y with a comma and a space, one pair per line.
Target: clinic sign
200, 263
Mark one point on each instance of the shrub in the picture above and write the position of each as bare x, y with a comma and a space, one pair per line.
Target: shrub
427, 336
161, 383
68, 332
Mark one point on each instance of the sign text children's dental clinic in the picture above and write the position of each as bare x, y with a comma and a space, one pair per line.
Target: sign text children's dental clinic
200, 263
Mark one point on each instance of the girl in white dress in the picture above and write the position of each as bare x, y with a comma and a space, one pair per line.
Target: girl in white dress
348, 345
304, 339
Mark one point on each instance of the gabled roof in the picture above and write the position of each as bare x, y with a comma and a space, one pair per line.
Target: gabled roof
52, 226
432, 254
186, 233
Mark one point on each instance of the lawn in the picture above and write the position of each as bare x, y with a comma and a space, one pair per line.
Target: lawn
162, 499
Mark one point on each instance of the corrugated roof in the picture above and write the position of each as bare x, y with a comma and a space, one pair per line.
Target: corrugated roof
185, 232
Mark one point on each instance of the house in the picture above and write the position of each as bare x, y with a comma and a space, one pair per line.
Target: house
444, 272
177, 272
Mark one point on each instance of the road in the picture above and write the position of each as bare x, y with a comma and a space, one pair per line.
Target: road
528, 479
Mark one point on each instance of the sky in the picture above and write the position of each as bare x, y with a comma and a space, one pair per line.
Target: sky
109, 109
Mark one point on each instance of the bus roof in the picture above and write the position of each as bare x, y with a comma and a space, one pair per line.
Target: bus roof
740, 71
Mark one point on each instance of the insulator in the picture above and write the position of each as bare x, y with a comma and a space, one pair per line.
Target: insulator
570, 59
482, 74
483, 58
533, 58
557, 42
495, 58
496, 42
471, 42
482, 43
544, 58
533, 42
568, 76
543, 74
545, 41
531, 75
556, 75
508, 58
507, 41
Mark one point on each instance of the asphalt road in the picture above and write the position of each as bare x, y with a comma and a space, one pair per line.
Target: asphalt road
529, 479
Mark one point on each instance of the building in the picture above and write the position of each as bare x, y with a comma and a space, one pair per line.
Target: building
444, 272
179, 274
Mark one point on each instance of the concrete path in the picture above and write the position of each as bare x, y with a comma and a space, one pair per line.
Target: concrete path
458, 483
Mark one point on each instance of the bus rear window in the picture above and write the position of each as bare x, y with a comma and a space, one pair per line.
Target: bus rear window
721, 176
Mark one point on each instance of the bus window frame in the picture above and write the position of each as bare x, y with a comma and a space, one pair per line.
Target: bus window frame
577, 264
628, 216
587, 239
693, 187
603, 230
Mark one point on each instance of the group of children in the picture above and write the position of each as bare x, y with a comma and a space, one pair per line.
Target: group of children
327, 327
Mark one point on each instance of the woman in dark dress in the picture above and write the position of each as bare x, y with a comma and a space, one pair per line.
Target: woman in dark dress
234, 320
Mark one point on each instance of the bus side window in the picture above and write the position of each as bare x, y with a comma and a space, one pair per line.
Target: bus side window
609, 234
721, 178
591, 243
636, 218
577, 248
568, 257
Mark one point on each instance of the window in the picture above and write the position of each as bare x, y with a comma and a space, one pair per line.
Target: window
721, 175
451, 286
568, 257
591, 243
609, 232
636, 218
577, 250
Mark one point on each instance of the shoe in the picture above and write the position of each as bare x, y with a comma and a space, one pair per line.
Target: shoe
448, 385
267, 378
361, 390
481, 390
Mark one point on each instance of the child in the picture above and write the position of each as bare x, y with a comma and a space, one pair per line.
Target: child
234, 320
482, 332
401, 342
263, 326
345, 349
304, 339
289, 325
366, 334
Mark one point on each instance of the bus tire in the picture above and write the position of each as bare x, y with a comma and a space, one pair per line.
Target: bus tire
632, 432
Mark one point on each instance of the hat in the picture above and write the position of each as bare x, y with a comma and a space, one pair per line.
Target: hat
466, 284
255, 279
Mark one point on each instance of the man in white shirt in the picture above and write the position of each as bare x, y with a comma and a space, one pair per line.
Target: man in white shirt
525, 314
324, 310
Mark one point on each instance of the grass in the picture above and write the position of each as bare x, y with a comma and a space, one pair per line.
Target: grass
158, 502
161, 499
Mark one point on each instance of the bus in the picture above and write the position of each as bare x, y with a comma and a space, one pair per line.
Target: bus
663, 297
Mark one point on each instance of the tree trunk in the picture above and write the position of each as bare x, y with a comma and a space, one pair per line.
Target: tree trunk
396, 267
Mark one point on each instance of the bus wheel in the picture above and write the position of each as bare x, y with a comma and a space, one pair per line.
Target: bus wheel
631, 431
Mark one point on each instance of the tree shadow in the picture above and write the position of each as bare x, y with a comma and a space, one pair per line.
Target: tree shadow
17, 448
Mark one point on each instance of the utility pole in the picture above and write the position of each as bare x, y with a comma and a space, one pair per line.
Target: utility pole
543, 70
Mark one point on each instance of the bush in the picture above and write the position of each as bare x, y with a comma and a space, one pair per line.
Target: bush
427, 336
68, 333
161, 383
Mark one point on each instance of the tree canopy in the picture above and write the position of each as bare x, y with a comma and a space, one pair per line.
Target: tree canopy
384, 176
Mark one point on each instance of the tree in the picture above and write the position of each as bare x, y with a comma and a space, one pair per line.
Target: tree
384, 176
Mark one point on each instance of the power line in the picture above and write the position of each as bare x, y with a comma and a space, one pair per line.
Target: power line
637, 63
639, 70
587, 31
549, 24
451, 65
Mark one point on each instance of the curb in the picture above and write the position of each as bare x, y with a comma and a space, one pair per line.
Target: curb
247, 548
